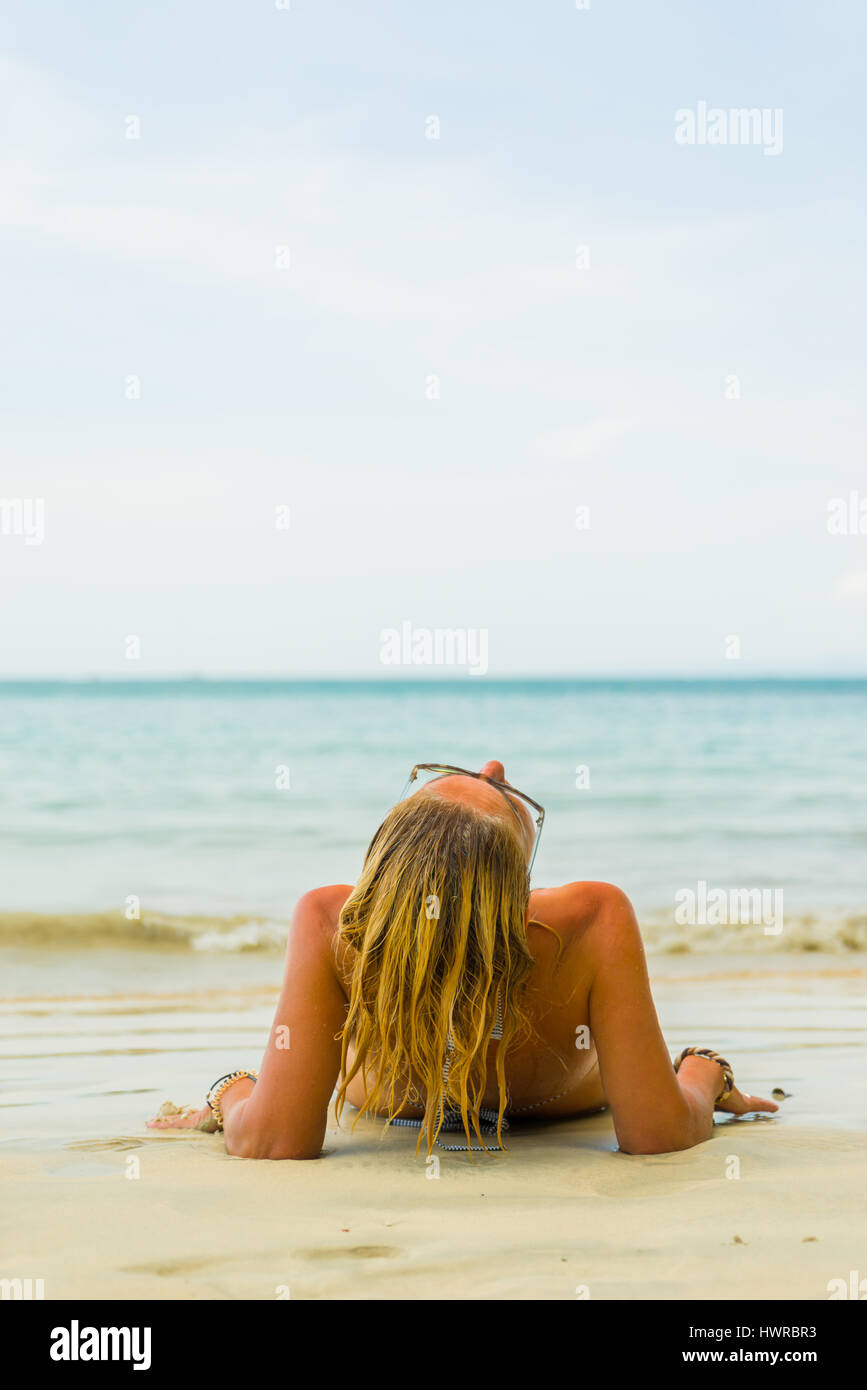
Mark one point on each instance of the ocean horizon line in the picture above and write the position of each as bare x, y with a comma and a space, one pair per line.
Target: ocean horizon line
404, 681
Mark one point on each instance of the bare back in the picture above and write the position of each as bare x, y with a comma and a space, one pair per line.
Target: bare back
555, 1072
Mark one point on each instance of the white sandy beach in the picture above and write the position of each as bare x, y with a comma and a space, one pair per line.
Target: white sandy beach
105, 1208
364, 1222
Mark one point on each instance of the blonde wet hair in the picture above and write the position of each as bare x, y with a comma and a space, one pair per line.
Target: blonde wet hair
438, 925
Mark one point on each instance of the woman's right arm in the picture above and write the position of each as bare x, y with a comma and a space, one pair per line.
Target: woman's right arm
654, 1110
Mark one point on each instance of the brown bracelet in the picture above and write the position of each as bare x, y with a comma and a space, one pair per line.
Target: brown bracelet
219, 1087
728, 1075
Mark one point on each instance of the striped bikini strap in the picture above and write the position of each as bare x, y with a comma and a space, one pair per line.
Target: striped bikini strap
451, 1119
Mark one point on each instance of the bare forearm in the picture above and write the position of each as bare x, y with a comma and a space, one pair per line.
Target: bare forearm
234, 1105
250, 1135
700, 1081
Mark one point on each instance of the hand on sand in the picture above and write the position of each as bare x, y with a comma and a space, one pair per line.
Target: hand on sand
183, 1117
739, 1104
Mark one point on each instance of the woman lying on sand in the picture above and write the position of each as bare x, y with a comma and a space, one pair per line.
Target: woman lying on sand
442, 993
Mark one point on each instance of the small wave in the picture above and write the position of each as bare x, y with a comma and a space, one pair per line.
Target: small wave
831, 932
828, 932
164, 931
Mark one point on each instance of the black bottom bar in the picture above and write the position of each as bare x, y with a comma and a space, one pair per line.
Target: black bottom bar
204, 1338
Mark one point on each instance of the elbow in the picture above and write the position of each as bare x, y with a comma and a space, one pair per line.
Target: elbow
679, 1128
249, 1146
669, 1141
653, 1145
297, 1155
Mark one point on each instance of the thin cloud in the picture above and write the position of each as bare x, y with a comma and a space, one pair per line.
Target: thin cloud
576, 443
852, 587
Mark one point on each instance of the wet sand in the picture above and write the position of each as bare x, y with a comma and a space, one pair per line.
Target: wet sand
767, 1208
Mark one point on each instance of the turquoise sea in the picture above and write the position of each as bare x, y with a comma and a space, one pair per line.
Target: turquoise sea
168, 793
223, 801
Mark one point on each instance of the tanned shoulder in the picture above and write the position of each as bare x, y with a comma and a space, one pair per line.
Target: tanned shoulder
577, 909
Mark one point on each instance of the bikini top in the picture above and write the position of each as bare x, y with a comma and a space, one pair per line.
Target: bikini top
488, 1118
452, 1119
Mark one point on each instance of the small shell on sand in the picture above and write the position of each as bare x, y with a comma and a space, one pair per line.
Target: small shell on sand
779, 1094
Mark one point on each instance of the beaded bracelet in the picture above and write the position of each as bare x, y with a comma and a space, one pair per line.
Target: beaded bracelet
222, 1085
728, 1075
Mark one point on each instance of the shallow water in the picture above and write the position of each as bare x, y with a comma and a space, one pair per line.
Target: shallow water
136, 1029
167, 793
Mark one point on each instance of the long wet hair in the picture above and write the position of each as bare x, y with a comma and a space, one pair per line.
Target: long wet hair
437, 923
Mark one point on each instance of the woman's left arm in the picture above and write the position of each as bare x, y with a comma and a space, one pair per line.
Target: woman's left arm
284, 1113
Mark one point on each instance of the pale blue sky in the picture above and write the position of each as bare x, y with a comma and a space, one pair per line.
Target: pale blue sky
410, 257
